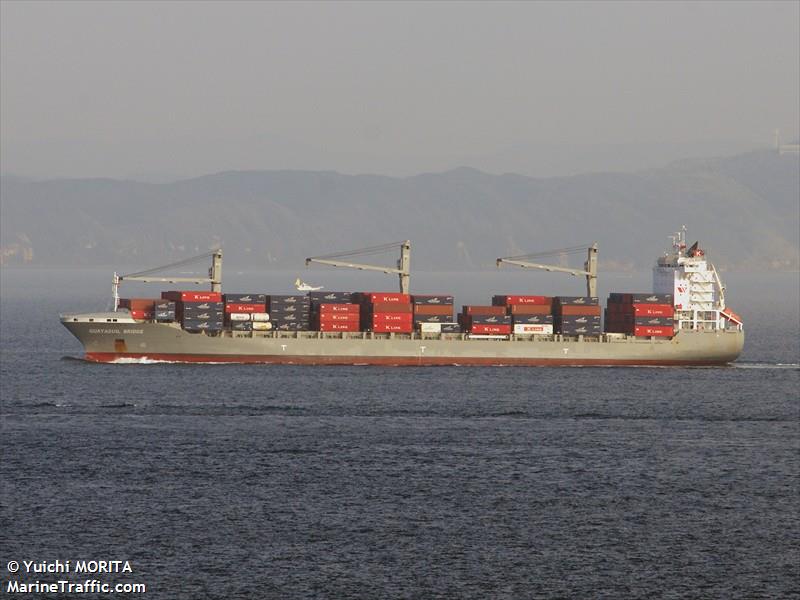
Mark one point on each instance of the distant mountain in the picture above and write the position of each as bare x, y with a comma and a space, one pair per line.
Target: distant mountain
745, 209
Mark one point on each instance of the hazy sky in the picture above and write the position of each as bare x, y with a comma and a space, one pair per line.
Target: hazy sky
119, 89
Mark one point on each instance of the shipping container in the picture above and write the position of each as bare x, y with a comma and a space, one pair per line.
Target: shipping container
431, 300
164, 315
336, 317
393, 328
261, 325
290, 326
381, 307
331, 297
542, 329
260, 317
532, 319
141, 315
483, 310
577, 320
487, 319
433, 318
287, 299
439, 327
433, 309
202, 315
245, 308
490, 329
245, 298
165, 305
189, 306
380, 318
573, 309
292, 309
334, 326
192, 296
339, 308
640, 298
240, 316
590, 330
646, 331
382, 298
147, 304
451, 328
530, 309
576, 301
500, 300
630, 320
202, 325
241, 326
643, 310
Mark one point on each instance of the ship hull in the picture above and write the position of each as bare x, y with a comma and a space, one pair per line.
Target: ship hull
163, 342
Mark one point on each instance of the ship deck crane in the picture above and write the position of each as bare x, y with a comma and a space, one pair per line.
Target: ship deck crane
589, 267
403, 269
214, 275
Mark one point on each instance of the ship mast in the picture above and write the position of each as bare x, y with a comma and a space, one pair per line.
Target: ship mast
214, 275
403, 269
589, 267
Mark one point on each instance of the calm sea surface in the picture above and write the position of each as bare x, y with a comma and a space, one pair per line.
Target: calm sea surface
228, 481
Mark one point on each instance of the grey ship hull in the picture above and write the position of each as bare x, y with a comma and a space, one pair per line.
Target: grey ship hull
122, 342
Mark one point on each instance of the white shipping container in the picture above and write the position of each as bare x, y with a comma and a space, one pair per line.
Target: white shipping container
262, 325
430, 327
240, 316
529, 328
263, 317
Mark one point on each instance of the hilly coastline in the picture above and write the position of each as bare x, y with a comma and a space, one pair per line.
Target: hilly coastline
745, 209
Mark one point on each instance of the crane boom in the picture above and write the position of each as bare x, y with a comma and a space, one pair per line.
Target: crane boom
214, 275
403, 269
589, 267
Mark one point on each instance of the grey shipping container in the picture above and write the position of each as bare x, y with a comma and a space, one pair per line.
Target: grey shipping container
532, 319
245, 298
576, 300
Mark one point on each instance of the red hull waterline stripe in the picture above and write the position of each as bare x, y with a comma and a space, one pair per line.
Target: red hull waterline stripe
107, 357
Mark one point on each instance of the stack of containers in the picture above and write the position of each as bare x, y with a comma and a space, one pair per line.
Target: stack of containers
386, 312
164, 311
197, 311
246, 312
140, 308
577, 315
642, 315
289, 312
434, 313
335, 316
485, 320
529, 314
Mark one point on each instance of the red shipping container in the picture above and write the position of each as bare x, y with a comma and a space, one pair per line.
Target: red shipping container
192, 296
339, 317
483, 310
333, 326
537, 300
387, 307
642, 310
138, 303
530, 309
141, 314
491, 329
381, 318
574, 310
393, 328
646, 330
433, 309
386, 297
245, 308
339, 308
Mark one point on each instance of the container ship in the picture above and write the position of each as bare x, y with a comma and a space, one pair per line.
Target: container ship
683, 321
